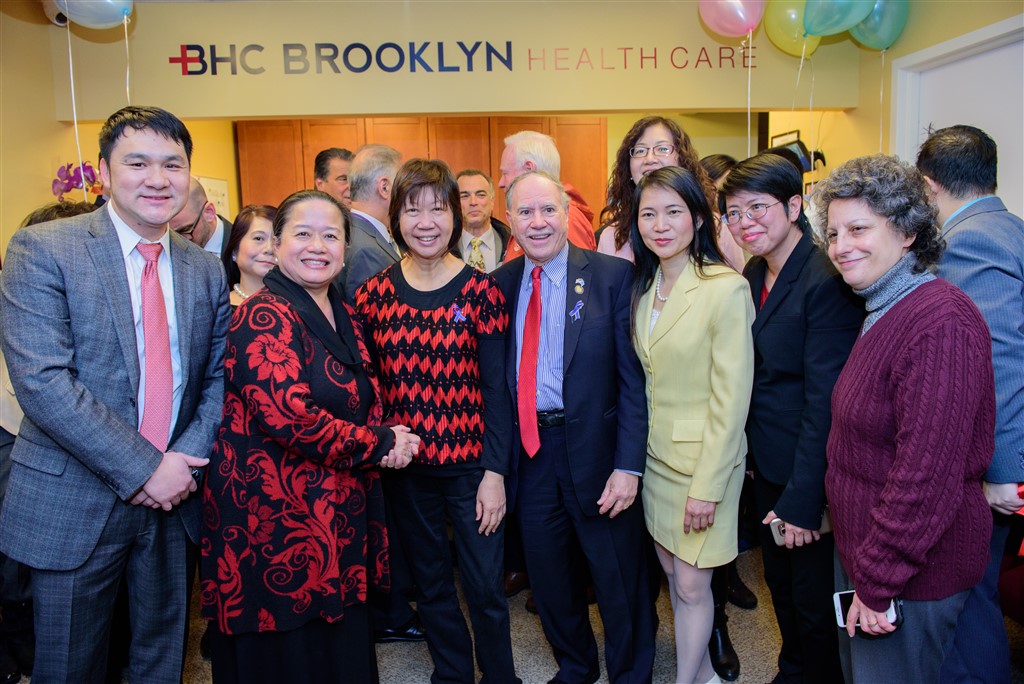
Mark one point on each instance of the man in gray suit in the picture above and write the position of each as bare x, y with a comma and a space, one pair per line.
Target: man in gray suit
114, 328
984, 257
370, 249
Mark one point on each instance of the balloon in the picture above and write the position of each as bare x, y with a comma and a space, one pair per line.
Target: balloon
731, 17
96, 14
828, 17
884, 25
54, 14
784, 24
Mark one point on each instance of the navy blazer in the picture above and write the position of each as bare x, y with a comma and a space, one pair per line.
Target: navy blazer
984, 257
802, 337
603, 381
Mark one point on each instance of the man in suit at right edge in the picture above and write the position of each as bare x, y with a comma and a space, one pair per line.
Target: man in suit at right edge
582, 419
984, 257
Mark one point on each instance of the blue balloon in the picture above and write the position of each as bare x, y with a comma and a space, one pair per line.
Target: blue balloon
828, 17
884, 25
96, 14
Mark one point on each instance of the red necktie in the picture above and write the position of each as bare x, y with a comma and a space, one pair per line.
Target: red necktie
156, 414
528, 371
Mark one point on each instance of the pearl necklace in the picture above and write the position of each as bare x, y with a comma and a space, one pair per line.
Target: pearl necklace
238, 291
657, 289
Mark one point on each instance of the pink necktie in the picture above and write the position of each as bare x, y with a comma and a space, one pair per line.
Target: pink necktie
156, 415
528, 430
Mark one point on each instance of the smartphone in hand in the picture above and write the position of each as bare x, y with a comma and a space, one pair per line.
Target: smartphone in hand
843, 600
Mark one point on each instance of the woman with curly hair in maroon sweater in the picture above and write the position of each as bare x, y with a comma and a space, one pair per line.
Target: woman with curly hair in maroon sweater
438, 329
913, 420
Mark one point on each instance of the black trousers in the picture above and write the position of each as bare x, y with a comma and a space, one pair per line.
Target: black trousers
616, 552
800, 581
392, 610
421, 503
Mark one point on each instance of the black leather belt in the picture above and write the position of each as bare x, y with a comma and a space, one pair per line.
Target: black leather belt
549, 419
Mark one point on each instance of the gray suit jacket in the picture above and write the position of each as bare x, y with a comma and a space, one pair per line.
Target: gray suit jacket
984, 257
69, 337
366, 255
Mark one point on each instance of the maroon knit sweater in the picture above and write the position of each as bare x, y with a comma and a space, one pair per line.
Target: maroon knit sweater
913, 419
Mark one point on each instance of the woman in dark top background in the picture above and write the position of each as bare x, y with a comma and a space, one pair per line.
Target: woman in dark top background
293, 519
438, 329
807, 320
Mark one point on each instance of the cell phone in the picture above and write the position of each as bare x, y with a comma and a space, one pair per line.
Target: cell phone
778, 528
843, 600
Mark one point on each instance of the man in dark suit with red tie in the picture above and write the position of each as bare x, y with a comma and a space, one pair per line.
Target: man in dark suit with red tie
582, 417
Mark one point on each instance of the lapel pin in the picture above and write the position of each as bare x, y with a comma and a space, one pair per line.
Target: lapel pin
579, 286
457, 313
575, 313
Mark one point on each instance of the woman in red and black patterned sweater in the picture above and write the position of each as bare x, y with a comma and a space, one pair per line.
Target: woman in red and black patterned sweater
438, 329
293, 520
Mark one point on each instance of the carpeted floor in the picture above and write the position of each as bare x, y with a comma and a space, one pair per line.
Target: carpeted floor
753, 633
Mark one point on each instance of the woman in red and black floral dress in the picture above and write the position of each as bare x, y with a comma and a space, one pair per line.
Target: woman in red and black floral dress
438, 328
293, 530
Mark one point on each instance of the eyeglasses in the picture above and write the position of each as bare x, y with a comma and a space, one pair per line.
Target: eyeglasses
755, 211
187, 232
639, 152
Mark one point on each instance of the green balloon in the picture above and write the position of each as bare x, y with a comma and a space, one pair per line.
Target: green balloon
883, 25
828, 17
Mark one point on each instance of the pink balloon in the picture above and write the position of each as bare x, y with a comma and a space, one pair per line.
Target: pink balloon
732, 17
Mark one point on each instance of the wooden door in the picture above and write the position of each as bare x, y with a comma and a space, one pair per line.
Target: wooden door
270, 160
501, 128
582, 144
462, 142
320, 134
407, 134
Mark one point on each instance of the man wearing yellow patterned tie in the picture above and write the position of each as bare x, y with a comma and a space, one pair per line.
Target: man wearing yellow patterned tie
484, 238
114, 332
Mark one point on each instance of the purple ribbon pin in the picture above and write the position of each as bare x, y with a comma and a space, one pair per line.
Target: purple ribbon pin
575, 313
457, 313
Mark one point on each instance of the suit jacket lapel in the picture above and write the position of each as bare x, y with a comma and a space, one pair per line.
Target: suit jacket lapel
108, 263
575, 302
184, 299
783, 284
678, 302
512, 302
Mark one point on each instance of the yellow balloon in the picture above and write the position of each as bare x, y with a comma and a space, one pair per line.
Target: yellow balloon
784, 24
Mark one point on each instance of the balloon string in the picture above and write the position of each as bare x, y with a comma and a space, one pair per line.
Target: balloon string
799, 72
810, 115
74, 114
749, 45
881, 101
127, 62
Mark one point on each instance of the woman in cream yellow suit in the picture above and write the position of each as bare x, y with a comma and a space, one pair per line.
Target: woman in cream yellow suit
692, 318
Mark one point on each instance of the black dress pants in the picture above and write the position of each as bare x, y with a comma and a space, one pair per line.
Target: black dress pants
800, 581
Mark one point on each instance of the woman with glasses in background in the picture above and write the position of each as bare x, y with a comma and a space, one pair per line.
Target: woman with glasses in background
807, 320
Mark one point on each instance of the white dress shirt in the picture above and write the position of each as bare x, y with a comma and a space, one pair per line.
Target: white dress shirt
488, 247
134, 263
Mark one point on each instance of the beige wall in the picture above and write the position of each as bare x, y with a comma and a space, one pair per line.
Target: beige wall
848, 134
33, 144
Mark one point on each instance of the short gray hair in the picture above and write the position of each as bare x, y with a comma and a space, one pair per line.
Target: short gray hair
563, 196
537, 148
371, 163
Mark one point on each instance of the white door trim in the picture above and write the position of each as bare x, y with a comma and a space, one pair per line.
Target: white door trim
906, 77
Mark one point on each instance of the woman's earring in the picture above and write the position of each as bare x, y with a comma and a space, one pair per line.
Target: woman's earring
234, 257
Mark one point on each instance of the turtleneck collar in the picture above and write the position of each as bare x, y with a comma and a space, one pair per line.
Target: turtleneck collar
894, 285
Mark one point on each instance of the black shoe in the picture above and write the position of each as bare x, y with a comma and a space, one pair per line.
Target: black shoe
720, 649
9, 672
204, 644
411, 631
740, 594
